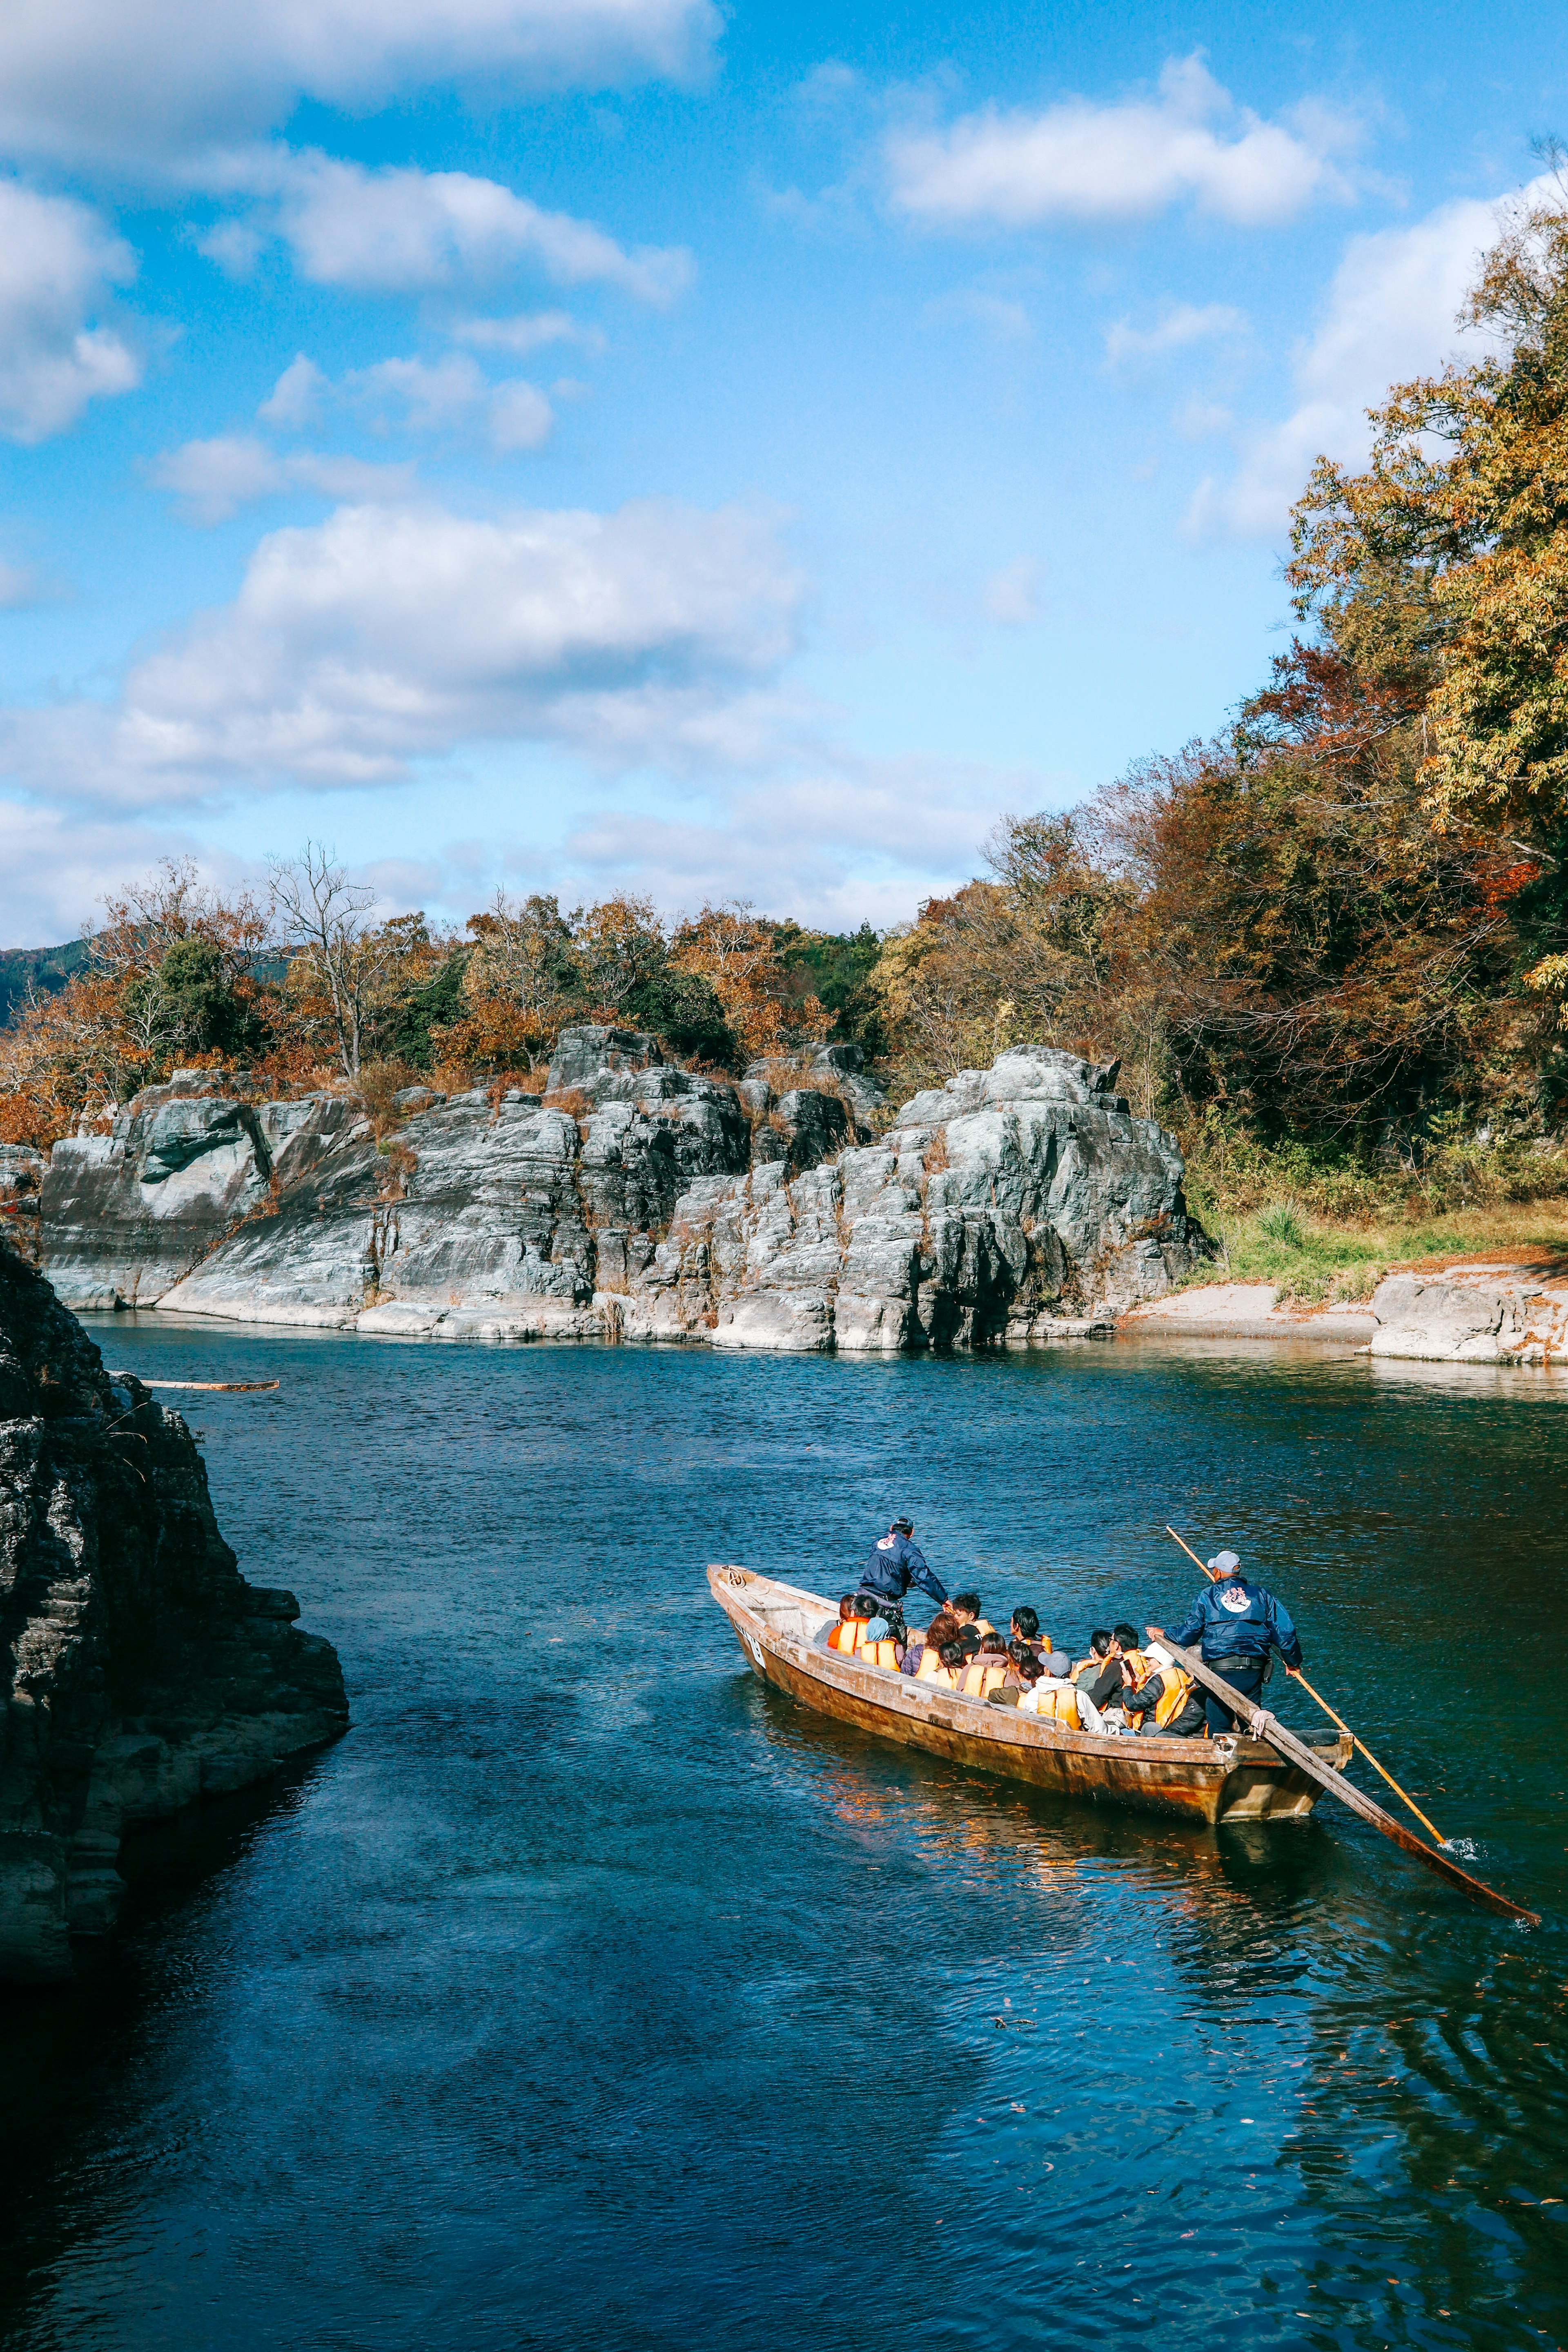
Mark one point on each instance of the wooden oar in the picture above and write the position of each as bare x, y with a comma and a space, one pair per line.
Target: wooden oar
1297, 1675
1264, 1726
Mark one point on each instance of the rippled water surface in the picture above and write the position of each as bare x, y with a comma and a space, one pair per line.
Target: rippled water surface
588, 1994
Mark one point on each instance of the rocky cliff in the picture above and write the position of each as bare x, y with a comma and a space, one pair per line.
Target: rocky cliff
637, 1200
140, 1670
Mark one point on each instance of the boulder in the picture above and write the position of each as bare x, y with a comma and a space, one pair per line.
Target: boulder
1477, 1314
142, 1671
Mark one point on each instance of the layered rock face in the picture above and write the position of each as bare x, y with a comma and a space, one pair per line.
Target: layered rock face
140, 1670
638, 1201
1020, 1203
1481, 1313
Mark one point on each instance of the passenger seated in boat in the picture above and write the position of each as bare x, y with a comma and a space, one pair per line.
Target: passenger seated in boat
987, 1669
1025, 1627
948, 1672
922, 1658
1099, 1677
882, 1644
856, 1612
1159, 1698
965, 1607
1023, 1667
1054, 1697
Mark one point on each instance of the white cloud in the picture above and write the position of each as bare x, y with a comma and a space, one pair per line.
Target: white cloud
414, 395
1012, 595
149, 79
1184, 323
1079, 161
399, 230
56, 867
387, 635
838, 842
1391, 313
214, 478
58, 263
295, 398
527, 334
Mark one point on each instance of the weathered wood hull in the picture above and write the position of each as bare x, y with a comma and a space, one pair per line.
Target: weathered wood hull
1229, 1779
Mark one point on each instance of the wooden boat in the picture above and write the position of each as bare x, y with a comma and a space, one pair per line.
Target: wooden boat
780, 1629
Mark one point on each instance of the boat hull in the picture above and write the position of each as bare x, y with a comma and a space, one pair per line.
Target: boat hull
1214, 1781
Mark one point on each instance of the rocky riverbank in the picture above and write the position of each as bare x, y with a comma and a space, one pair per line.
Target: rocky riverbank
1480, 1312
142, 1671
637, 1200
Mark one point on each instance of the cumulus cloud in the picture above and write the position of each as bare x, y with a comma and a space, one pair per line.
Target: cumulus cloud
1391, 313
841, 840
213, 480
400, 230
1184, 323
1012, 595
1078, 160
388, 635
415, 395
527, 332
57, 265
148, 79
19, 586
294, 402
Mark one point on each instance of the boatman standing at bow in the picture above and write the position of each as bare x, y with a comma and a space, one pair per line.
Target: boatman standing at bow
893, 1564
1236, 1623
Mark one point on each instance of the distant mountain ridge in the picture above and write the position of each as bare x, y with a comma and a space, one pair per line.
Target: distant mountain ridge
45, 969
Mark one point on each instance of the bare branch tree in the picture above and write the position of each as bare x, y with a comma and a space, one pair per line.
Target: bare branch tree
326, 918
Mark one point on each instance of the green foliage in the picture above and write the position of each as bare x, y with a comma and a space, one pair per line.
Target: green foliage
683, 1009
835, 967
418, 1010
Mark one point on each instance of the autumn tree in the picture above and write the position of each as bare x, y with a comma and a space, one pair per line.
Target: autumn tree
348, 973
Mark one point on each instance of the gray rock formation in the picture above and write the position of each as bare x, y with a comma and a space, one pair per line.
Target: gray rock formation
1014, 1204
142, 1671
639, 1201
1481, 1313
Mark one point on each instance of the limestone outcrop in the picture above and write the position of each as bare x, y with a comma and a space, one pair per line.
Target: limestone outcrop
1475, 1314
141, 1672
1015, 1204
637, 1200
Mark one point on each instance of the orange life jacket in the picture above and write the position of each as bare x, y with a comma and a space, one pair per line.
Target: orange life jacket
984, 1673
1058, 1706
930, 1667
884, 1652
847, 1635
1175, 1691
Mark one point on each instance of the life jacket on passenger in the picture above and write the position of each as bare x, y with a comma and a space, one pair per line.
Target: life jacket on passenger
1054, 1705
985, 1673
884, 1652
850, 1631
1175, 1688
932, 1669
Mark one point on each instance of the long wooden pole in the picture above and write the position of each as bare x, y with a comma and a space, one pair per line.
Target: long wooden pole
1297, 1675
1264, 1726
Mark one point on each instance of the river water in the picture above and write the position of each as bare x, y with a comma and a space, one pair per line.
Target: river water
589, 1995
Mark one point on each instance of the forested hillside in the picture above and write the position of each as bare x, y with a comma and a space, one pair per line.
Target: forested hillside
1330, 943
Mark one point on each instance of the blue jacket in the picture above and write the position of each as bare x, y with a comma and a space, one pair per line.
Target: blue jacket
893, 1565
1238, 1619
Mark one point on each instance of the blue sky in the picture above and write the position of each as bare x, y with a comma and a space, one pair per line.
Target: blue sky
724, 453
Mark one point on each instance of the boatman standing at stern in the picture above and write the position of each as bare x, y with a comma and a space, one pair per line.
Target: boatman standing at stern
893, 1564
1236, 1623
